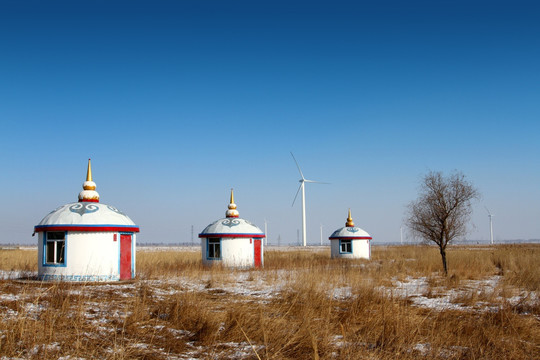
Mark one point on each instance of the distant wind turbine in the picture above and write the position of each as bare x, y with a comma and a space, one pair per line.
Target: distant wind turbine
303, 181
490, 225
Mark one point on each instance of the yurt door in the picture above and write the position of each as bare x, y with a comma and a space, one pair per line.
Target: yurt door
125, 257
257, 246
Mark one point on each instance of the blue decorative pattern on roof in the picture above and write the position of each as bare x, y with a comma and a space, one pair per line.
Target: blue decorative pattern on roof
83, 208
230, 222
112, 208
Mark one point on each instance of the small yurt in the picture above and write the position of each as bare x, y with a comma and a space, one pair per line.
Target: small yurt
232, 241
350, 242
86, 240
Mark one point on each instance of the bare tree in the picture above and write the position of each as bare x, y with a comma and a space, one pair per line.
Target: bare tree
442, 210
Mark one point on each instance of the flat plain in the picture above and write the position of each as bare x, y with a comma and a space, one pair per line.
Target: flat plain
301, 305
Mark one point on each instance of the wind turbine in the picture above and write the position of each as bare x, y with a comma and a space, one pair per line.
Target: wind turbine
303, 182
490, 225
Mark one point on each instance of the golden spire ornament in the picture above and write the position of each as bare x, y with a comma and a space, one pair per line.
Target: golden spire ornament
232, 212
89, 171
89, 193
349, 222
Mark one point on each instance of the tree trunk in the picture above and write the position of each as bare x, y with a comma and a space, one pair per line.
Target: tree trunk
443, 256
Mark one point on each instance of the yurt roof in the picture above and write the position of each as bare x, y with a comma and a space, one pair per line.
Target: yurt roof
349, 231
232, 225
87, 214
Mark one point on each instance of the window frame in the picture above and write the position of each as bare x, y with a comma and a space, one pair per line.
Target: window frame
215, 241
345, 242
46, 241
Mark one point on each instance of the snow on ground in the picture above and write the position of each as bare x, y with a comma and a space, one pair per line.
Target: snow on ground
13, 275
9, 297
263, 286
260, 286
341, 293
425, 349
423, 295
50, 347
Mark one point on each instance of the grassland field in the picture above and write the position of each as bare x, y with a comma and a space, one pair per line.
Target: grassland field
301, 305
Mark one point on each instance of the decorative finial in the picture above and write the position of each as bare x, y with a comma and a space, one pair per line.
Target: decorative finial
349, 222
89, 172
89, 194
232, 212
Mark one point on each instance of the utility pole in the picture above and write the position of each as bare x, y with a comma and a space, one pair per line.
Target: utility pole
491, 228
265, 233
321, 234
192, 242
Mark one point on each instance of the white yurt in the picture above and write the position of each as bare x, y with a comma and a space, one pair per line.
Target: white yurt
350, 242
232, 241
86, 240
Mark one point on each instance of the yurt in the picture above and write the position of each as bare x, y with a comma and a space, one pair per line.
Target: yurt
232, 241
86, 240
350, 242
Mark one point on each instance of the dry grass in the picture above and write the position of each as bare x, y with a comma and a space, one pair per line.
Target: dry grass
18, 260
302, 305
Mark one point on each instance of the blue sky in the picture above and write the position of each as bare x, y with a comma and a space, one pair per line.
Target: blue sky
177, 102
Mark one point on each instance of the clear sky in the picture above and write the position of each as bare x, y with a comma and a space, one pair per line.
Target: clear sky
176, 102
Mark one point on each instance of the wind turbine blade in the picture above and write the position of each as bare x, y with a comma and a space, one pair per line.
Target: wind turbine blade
315, 182
298, 166
487, 210
295, 196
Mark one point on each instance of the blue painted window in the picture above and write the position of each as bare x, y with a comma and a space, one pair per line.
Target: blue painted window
54, 248
345, 246
213, 248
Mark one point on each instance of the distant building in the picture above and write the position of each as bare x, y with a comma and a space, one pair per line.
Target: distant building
86, 240
350, 242
232, 241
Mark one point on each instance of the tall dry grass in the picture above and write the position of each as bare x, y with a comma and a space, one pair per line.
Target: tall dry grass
18, 260
319, 309
519, 264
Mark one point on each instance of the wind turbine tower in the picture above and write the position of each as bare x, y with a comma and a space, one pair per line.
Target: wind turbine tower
490, 225
302, 187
